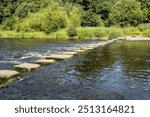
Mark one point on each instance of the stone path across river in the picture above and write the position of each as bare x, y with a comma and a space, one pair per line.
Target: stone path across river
49, 59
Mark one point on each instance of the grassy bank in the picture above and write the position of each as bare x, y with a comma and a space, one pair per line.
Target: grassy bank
83, 33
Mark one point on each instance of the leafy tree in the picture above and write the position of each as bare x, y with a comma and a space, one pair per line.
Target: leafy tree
146, 6
1, 13
127, 13
50, 19
74, 13
91, 19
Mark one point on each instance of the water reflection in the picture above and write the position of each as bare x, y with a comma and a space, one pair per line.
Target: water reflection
118, 71
94, 61
136, 56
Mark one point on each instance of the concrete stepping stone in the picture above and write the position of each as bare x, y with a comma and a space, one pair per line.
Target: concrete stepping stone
58, 56
70, 53
7, 74
93, 46
45, 61
27, 66
89, 48
79, 50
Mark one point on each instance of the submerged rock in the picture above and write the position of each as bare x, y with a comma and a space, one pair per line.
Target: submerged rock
27, 66
45, 61
59, 56
7, 74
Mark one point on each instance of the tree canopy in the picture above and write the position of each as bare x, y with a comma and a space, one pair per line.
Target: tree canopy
51, 15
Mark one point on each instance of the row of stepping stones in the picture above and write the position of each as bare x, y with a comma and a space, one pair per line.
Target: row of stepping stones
7, 74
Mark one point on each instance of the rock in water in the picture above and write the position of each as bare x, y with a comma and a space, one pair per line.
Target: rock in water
27, 66
45, 61
58, 56
7, 74
79, 50
70, 53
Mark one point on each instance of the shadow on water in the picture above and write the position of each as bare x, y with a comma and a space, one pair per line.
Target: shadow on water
118, 71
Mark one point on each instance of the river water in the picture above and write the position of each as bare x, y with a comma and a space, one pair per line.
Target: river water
117, 71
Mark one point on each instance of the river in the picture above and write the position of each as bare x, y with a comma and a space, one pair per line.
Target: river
118, 71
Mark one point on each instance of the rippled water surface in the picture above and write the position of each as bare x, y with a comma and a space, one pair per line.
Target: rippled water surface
117, 71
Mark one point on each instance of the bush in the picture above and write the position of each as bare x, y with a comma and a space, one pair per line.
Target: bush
8, 24
91, 19
146, 33
72, 31
131, 31
86, 32
74, 14
127, 13
48, 20
143, 27
115, 34
102, 32
61, 34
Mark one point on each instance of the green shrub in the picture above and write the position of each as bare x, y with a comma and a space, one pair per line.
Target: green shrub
8, 24
86, 32
72, 32
115, 34
127, 13
90, 18
48, 20
131, 31
102, 32
74, 15
143, 27
61, 35
146, 33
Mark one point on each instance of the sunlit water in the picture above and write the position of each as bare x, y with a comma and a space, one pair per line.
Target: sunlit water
117, 71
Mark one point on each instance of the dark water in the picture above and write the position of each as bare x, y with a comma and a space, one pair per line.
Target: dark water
118, 71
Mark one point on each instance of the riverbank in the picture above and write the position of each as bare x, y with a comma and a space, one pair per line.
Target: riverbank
83, 33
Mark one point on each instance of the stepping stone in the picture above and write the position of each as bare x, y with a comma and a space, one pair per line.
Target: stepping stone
70, 53
93, 46
7, 74
58, 56
45, 61
103, 43
89, 48
79, 50
27, 66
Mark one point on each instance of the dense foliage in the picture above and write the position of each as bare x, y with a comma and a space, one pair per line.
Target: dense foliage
52, 15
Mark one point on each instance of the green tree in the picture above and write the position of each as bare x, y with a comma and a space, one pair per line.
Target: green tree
50, 19
146, 6
91, 19
127, 13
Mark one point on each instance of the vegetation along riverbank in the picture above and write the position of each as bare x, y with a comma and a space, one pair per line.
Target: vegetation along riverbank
82, 19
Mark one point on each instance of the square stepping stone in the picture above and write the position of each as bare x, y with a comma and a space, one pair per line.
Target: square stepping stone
70, 53
45, 61
103, 44
79, 50
7, 74
58, 56
93, 46
27, 66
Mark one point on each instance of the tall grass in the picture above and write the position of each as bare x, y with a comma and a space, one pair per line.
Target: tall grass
13, 34
92, 32
131, 31
83, 33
